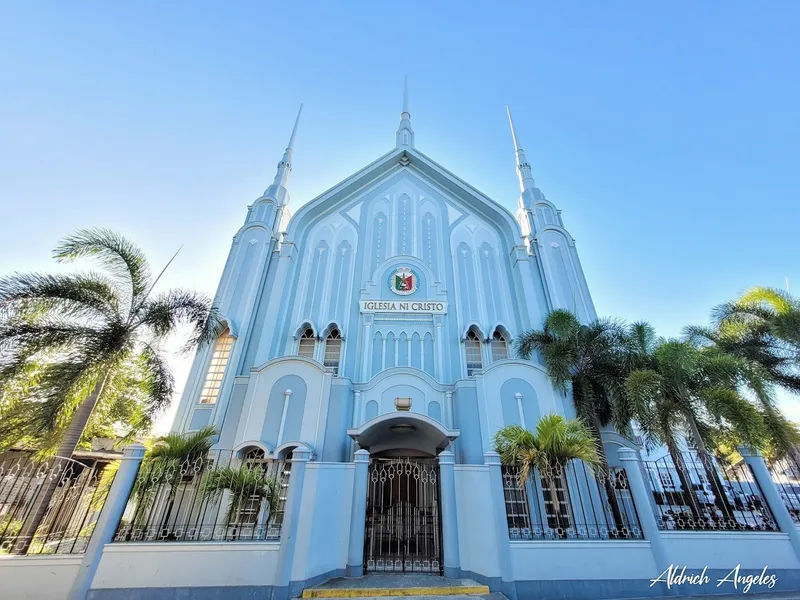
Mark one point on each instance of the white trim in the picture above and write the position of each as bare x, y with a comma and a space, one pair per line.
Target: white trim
574, 544
190, 547
40, 560
725, 535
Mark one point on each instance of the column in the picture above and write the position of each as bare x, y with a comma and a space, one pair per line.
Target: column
771, 495
644, 507
109, 519
448, 408
498, 508
291, 519
358, 515
447, 488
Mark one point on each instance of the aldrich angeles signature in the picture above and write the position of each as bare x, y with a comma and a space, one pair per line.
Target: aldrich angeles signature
678, 575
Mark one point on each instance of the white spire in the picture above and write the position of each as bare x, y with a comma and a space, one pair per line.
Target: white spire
523, 166
405, 134
278, 188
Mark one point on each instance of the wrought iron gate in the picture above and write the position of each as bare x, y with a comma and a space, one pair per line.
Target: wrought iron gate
403, 530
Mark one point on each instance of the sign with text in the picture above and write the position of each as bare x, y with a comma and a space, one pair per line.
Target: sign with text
412, 306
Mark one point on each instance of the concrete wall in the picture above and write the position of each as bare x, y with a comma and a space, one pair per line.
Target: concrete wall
174, 564
477, 540
324, 530
724, 550
37, 577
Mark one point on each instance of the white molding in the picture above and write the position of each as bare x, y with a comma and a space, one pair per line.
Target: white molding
569, 545
134, 547
41, 560
725, 535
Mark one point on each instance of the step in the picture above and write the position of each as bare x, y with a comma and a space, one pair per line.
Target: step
395, 585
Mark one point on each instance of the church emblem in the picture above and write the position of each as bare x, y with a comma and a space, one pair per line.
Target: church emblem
403, 281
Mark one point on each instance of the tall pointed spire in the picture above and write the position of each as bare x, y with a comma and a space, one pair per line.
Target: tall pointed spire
523, 166
278, 188
405, 134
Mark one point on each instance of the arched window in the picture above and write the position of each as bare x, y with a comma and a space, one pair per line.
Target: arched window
499, 346
333, 351
216, 369
473, 352
306, 347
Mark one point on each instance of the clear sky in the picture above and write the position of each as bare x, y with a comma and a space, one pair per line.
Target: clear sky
668, 133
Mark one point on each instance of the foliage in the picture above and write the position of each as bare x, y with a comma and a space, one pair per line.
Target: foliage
548, 448
244, 484
68, 341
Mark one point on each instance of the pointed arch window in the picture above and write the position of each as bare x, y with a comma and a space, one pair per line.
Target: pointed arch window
306, 346
216, 369
499, 346
333, 351
473, 353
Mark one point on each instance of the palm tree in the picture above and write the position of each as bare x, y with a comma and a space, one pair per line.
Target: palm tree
691, 392
249, 487
775, 312
87, 326
170, 457
590, 359
555, 442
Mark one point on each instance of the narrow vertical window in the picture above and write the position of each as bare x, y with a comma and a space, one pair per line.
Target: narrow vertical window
216, 370
333, 350
473, 351
306, 347
499, 346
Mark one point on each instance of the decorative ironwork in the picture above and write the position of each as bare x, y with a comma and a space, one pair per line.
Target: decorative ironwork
786, 477
220, 496
403, 530
77, 492
695, 492
569, 503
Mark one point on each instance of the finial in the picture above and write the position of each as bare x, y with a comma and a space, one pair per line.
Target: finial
405, 99
405, 134
294, 130
523, 166
513, 131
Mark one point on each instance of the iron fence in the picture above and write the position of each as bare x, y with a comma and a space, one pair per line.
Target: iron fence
50, 506
568, 503
786, 477
219, 496
694, 492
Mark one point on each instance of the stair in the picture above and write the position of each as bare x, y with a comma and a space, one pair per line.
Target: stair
387, 586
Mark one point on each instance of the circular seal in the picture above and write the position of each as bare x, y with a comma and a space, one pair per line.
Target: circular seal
403, 281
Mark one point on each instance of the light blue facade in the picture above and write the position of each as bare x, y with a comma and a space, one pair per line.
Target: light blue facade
483, 270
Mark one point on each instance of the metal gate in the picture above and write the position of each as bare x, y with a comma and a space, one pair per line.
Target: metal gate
403, 530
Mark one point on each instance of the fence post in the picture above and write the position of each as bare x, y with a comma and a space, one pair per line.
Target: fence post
771, 495
108, 521
642, 497
498, 508
291, 520
358, 515
447, 482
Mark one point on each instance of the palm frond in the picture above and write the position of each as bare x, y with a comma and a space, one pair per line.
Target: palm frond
115, 252
189, 446
158, 383
163, 313
32, 295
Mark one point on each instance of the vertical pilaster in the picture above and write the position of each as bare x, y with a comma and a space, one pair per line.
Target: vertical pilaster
492, 460
358, 515
109, 519
291, 520
771, 495
447, 486
644, 507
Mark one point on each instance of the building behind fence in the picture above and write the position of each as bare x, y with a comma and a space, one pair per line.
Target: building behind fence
79, 487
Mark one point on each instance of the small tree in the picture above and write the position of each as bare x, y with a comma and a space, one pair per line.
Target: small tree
555, 442
249, 488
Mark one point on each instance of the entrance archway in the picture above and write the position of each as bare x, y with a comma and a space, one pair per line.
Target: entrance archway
403, 531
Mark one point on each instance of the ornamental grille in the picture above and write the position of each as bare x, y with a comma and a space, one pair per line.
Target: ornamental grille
706, 494
216, 369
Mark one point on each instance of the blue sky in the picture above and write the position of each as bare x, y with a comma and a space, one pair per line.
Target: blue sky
667, 133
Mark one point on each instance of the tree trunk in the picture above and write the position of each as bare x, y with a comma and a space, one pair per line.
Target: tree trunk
613, 502
686, 483
720, 497
63, 457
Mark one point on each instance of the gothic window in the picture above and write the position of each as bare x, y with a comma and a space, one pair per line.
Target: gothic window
306, 346
333, 350
499, 346
216, 369
473, 352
